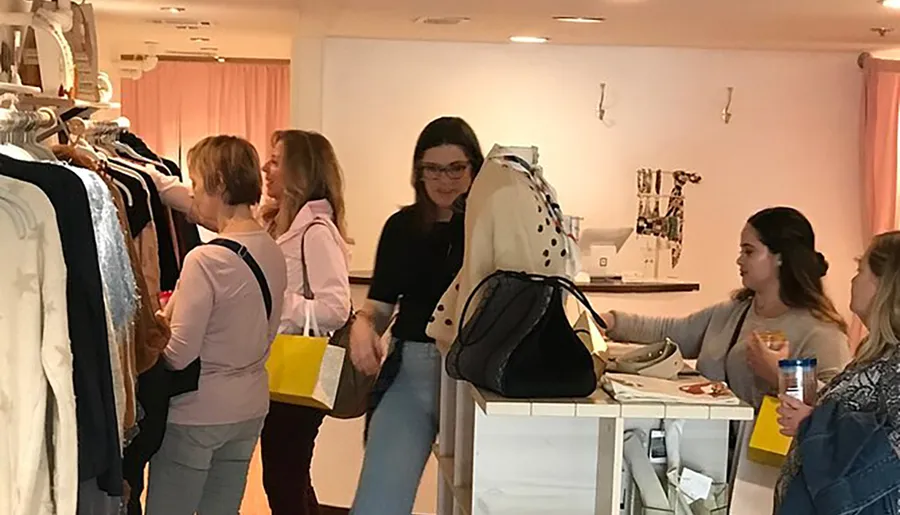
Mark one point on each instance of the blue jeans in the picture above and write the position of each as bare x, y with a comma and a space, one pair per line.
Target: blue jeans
401, 433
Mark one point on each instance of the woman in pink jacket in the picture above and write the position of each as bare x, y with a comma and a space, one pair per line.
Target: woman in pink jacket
306, 204
303, 178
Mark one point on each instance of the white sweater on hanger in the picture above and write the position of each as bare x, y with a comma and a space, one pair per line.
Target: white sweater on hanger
38, 439
511, 224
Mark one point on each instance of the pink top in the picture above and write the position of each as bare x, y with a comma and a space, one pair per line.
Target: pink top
327, 264
218, 315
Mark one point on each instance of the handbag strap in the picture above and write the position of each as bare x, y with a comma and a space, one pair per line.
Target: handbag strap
308, 293
738, 327
736, 335
244, 254
307, 290
562, 282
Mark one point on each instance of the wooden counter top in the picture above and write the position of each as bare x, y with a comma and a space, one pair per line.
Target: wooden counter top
363, 278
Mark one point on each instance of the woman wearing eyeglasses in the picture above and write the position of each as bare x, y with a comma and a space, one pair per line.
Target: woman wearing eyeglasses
419, 254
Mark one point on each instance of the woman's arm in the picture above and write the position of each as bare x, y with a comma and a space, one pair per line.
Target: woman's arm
372, 320
329, 281
191, 310
176, 195
687, 332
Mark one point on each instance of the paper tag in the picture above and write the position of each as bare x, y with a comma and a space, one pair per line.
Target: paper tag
694, 484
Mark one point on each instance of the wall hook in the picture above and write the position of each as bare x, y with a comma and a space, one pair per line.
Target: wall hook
726, 113
601, 111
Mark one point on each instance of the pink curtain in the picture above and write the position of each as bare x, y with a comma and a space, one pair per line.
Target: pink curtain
178, 103
881, 105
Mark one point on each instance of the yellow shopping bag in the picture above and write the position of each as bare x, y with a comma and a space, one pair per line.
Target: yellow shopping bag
767, 445
305, 370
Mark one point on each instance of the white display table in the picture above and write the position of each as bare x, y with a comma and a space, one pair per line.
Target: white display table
530, 457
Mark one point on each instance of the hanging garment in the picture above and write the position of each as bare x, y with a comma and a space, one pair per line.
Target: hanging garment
38, 468
512, 222
98, 433
168, 262
120, 293
675, 212
187, 235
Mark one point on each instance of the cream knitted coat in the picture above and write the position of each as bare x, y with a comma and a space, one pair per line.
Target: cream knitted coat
513, 223
38, 440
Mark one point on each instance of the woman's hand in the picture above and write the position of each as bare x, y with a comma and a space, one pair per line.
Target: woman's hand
366, 351
791, 413
164, 325
763, 357
610, 320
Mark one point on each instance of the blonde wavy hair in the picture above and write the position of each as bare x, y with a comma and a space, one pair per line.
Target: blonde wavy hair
883, 258
310, 171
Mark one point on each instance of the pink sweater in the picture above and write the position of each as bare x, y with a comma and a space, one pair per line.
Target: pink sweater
218, 315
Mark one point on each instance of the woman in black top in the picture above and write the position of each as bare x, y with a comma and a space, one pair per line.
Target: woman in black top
419, 254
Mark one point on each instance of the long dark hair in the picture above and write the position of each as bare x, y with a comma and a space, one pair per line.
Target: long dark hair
788, 234
446, 130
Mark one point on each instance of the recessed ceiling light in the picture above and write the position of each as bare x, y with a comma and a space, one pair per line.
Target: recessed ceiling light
528, 39
890, 4
220, 59
173, 10
441, 20
596, 19
200, 39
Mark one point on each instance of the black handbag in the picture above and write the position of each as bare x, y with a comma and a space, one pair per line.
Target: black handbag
519, 342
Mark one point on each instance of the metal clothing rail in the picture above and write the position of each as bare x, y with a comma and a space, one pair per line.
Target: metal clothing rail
26, 121
82, 127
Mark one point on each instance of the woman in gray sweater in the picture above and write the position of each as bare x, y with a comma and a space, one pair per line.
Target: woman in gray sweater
782, 273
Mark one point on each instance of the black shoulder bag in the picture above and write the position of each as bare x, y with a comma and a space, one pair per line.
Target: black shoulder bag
519, 342
188, 379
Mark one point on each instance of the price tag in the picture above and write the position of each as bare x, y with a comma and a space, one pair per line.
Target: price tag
694, 484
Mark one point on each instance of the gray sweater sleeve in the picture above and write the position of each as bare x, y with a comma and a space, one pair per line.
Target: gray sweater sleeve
688, 332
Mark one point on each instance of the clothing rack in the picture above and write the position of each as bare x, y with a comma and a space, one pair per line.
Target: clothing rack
26, 121
82, 127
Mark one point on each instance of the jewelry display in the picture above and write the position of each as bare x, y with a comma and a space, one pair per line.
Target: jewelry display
657, 230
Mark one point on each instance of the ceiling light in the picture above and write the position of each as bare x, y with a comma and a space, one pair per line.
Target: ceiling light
528, 39
598, 19
882, 31
441, 20
200, 39
220, 59
173, 10
890, 4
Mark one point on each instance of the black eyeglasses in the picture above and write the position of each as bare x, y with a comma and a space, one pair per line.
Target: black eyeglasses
433, 171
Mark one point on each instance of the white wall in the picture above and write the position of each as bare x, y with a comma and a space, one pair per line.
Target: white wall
792, 139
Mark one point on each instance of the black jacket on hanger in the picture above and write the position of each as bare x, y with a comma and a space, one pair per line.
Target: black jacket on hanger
98, 434
136, 198
168, 263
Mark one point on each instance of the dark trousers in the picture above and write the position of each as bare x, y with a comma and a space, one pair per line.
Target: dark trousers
153, 396
287, 442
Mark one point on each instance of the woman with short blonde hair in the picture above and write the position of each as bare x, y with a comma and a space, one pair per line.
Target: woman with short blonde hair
219, 315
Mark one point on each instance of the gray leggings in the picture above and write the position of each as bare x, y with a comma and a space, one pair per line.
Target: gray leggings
202, 469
